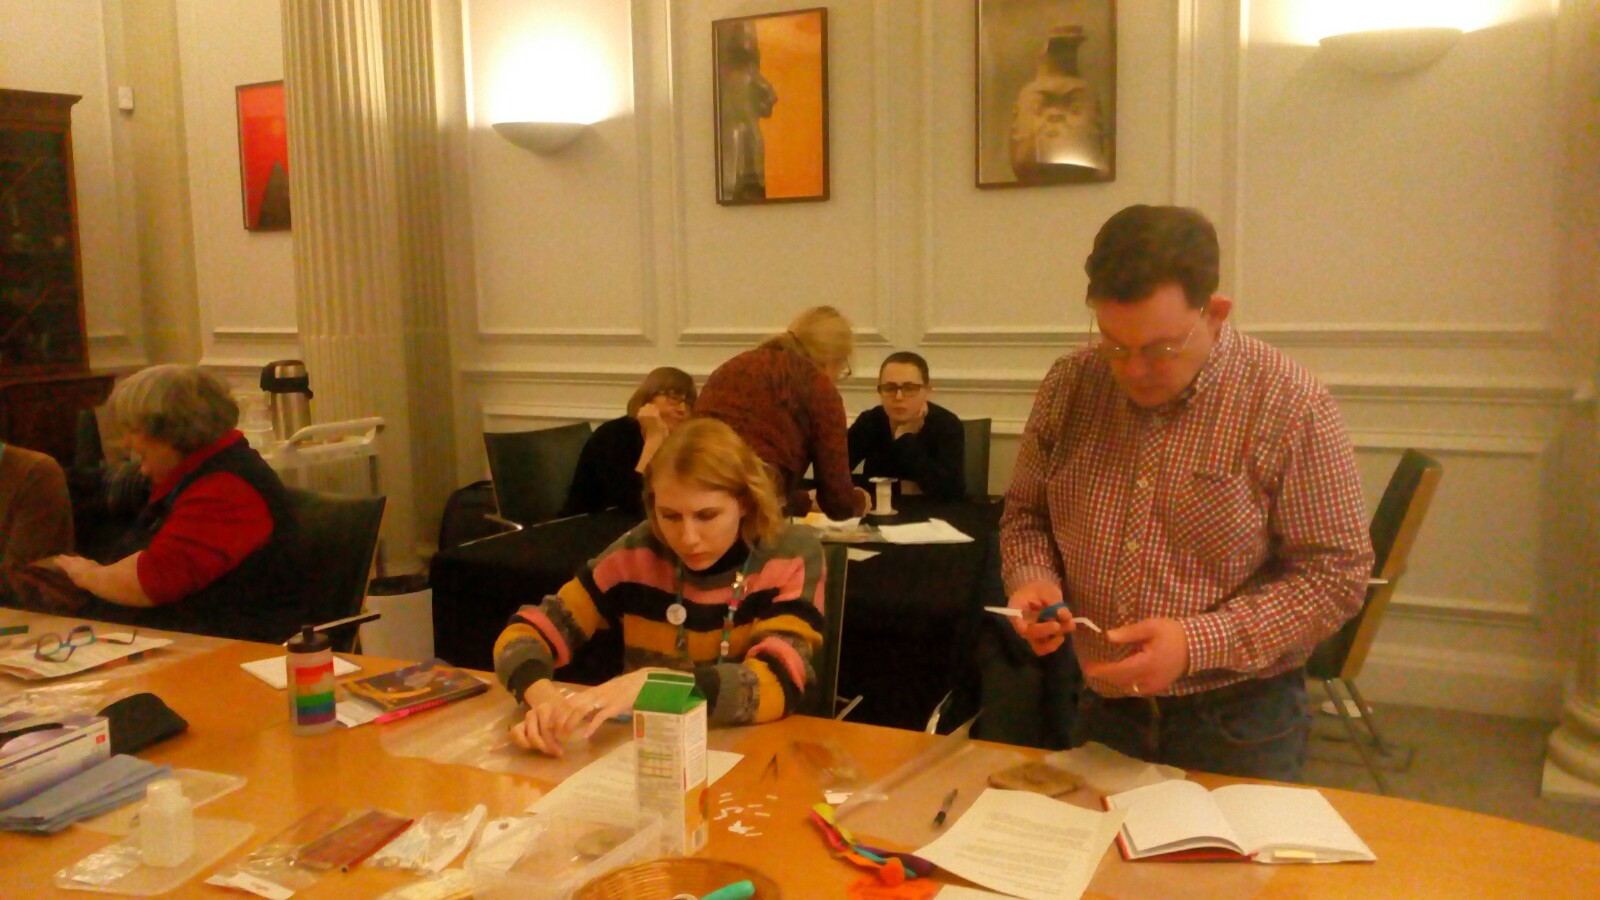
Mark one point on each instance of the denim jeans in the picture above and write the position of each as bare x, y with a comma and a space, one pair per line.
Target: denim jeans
1254, 729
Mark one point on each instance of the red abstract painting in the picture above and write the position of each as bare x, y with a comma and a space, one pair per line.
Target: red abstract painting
264, 156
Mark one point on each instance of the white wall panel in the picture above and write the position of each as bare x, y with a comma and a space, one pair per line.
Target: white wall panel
245, 278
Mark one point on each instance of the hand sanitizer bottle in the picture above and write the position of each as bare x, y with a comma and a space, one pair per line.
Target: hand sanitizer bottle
166, 824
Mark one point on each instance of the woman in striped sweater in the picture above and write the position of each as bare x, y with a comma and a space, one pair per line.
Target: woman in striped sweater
714, 582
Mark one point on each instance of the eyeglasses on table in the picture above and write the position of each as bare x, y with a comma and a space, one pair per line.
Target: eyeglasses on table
53, 647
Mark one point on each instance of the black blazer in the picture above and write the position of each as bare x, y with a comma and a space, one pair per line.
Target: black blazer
933, 457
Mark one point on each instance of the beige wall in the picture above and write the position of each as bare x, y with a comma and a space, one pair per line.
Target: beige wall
1398, 235
245, 279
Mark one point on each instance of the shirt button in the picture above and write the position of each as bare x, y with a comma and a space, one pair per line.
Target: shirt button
1142, 483
1132, 546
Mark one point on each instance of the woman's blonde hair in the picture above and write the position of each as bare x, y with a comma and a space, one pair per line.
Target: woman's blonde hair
184, 407
711, 454
665, 380
821, 334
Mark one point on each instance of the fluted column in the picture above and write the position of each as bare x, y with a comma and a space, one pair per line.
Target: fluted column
409, 69
348, 280
1572, 760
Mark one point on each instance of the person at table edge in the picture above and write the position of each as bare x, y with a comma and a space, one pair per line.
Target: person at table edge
782, 398
909, 437
205, 554
1193, 492
610, 472
35, 512
715, 582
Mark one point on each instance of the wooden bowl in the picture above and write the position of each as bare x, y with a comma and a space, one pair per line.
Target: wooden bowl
661, 879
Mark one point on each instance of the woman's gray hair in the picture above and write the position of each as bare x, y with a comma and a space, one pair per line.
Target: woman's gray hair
184, 406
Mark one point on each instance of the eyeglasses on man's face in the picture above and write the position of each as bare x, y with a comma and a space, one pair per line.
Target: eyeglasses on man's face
55, 648
1154, 353
906, 389
677, 397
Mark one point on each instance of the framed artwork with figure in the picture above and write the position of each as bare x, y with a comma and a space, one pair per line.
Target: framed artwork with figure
263, 155
770, 81
1046, 92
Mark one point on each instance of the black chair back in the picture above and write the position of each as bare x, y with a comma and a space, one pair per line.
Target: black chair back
975, 457
1393, 530
821, 700
532, 470
330, 555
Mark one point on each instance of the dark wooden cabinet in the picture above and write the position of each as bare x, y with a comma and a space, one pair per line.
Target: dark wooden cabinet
44, 354
41, 289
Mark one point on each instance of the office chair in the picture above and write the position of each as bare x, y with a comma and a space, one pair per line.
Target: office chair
1338, 660
331, 554
823, 701
975, 457
532, 470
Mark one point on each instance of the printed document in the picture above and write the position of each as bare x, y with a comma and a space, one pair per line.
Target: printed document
1026, 845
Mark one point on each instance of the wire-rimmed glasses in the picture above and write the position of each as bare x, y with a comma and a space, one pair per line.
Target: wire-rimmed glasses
53, 647
1156, 353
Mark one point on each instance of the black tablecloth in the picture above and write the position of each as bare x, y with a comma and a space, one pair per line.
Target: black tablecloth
908, 611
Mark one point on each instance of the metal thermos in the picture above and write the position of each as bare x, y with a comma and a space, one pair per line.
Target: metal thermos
288, 392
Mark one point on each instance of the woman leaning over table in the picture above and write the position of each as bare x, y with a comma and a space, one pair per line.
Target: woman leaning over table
610, 473
203, 555
782, 399
714, 582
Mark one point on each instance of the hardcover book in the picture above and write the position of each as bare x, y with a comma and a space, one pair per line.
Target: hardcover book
426, 684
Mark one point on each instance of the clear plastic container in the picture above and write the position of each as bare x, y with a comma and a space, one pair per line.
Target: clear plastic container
548, 857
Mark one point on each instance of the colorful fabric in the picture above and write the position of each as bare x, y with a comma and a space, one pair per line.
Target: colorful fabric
35, 510
1235, 509
775, 633
791, 415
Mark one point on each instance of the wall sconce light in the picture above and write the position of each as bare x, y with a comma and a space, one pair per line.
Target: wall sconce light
541, 137
1390, 51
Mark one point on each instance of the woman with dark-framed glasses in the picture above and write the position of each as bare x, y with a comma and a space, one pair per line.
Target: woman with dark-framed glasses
205, 554
908, 436
611, 466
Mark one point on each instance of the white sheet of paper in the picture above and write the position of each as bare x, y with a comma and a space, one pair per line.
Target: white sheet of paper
1025, 844
607, 784
933, 531
23, 664
272, 670
855, 555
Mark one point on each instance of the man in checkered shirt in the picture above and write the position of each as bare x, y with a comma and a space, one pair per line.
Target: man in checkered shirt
1192, 492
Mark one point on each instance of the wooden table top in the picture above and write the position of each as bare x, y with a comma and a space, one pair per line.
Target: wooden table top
238, 725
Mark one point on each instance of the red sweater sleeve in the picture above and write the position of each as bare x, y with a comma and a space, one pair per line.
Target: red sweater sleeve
830, 453
213, 526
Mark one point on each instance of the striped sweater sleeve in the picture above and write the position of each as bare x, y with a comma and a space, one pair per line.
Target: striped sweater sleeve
542, 637
771, 679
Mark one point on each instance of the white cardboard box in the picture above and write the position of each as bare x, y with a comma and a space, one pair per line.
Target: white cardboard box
32, 762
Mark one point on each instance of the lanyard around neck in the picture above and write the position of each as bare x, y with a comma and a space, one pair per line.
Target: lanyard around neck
727, 618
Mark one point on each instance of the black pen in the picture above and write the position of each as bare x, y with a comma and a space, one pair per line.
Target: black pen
944, 808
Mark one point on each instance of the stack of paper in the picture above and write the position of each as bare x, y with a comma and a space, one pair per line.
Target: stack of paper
108, 649
933, 531
119, 780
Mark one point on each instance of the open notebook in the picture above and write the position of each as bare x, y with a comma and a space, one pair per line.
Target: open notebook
1260, 822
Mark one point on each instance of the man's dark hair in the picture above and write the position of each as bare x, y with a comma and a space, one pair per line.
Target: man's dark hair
1143, 247
909, 358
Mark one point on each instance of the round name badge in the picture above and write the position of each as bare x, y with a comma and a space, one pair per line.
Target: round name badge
676, 614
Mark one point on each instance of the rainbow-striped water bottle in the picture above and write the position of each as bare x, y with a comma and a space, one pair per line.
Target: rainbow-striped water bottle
310, 670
